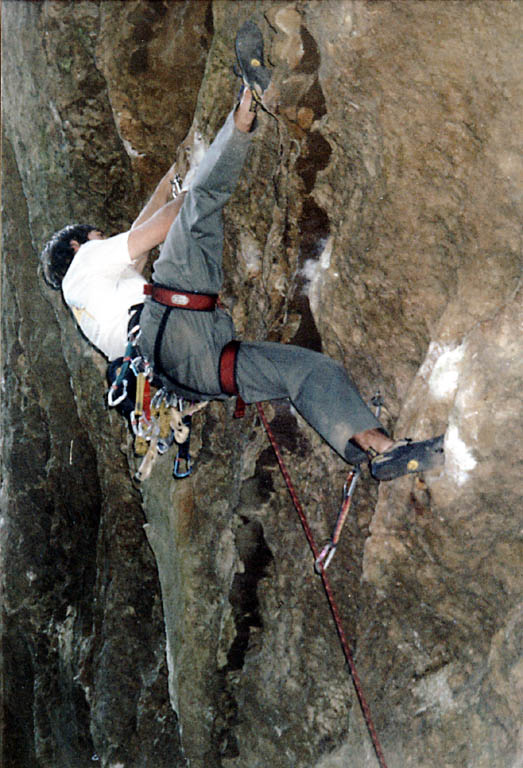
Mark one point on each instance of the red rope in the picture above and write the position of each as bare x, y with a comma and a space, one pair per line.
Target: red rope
328, 590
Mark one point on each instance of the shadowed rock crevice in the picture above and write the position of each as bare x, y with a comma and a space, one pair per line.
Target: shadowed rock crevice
314, 232
256, 557
313, 224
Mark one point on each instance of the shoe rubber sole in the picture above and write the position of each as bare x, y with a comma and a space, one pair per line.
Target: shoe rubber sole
249, 52
407, 458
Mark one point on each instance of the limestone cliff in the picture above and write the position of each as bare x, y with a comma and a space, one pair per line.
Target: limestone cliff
378, 220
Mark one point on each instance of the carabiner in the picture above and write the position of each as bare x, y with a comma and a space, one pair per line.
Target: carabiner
183, 455
176, 185
111, 395
324, 558
176, 469
354, 476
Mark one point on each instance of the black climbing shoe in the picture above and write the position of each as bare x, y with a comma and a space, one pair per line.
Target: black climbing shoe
406, 457
249, 52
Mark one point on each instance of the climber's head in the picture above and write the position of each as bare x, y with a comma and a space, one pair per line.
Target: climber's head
59, 251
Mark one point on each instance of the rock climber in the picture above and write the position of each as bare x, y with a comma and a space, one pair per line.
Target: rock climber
188, 339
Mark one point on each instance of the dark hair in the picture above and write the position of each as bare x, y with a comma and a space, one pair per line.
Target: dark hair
58, 252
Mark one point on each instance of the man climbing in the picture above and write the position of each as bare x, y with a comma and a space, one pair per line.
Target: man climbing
184, 335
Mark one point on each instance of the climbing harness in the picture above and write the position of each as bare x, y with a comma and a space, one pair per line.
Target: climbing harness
328, 590
227, 373
227, 367
157, 421
174, 298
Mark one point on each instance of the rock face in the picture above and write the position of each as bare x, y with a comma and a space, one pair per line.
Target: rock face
379, 221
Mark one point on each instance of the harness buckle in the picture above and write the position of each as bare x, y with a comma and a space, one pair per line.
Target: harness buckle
178, 299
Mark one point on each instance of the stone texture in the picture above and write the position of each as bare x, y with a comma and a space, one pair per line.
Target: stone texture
379, 220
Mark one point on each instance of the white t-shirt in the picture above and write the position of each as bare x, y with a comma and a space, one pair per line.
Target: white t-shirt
99, 287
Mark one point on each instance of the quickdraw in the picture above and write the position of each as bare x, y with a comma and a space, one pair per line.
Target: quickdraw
329, 550
114, 397
327, 553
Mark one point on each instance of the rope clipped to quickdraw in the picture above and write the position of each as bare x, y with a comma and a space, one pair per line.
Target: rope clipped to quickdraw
328, 590
329, 550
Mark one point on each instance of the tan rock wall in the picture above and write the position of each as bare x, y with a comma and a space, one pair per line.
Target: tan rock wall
379, 220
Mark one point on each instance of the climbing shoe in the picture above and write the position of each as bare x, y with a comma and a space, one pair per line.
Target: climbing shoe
249, 52
406, 457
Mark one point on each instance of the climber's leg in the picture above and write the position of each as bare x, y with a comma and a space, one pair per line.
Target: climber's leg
318, 387
325, 395
189, 345
191, 257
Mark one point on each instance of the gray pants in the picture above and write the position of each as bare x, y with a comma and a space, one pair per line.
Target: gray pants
191, 259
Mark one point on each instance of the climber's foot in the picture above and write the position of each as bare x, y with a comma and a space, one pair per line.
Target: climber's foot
249, 52
405, 457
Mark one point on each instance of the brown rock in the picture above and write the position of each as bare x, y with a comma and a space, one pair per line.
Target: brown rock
378, 219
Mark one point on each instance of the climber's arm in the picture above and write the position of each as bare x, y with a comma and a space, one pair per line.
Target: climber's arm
152, 231
161, 195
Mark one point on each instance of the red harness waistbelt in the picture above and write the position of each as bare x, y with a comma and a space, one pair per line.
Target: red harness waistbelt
201, 302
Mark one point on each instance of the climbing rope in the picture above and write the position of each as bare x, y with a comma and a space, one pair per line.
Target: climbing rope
328, 589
